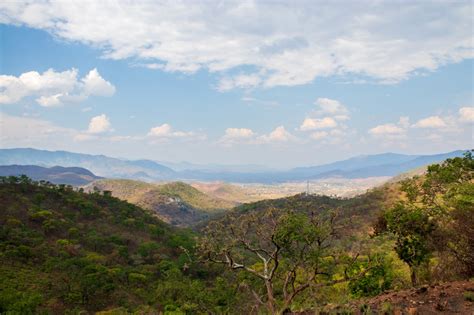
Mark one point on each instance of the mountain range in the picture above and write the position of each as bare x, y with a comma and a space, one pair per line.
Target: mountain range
57, 175
386, 164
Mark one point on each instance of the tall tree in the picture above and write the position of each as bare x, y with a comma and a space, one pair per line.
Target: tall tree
288, 252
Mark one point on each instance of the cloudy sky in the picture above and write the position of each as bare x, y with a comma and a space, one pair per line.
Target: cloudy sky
262, 82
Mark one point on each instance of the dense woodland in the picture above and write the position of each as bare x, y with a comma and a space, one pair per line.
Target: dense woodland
66, 251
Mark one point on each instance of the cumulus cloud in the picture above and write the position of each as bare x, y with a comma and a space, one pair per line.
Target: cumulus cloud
237, 135
387, 129
247, 136
430, 122
265, 43
332, 108
165, 131
329, 115
318, 123
279, 134
466, 114
99, 124
52, 88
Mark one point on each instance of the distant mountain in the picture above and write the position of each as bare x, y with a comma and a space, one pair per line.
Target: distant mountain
364, 166
243, 168
388, 164
99, 164
176, 203
75, 176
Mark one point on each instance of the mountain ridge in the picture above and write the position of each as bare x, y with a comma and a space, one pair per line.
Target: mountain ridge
75, 176
362, 166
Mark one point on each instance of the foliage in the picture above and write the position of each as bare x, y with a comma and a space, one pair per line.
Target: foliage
63, 250
438, 206
287, 252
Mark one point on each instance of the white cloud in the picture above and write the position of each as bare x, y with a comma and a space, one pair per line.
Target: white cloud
430, 122
332, 108
318, 123
466, 114
238, 133
387, 129
53, 88
165, 131
18, 131
94, 84
330, 114
99, 124
404, 121
279, 134
278, 43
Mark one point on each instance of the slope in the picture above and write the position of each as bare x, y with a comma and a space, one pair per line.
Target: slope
76, 176
176, 203
64, 251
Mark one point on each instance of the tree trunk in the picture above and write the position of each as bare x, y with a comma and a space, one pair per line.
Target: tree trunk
413, 277
270, 297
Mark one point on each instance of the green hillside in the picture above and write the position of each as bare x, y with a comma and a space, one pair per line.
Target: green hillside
69, 252
176, 203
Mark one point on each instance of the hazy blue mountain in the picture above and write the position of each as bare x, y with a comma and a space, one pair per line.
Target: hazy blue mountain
386, 164
76, 176
99, 164
243, 168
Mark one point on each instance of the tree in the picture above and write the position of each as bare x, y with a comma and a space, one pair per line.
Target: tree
287, 252
437, 215
412, 228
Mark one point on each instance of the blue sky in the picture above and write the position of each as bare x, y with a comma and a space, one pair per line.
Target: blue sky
237, 82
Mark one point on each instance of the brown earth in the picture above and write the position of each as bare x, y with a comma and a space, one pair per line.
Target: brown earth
448, 298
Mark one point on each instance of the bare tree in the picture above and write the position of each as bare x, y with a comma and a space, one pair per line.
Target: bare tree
289, 252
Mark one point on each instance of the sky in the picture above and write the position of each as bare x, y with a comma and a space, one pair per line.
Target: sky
277, 83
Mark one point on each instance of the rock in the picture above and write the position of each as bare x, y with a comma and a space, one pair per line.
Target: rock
423, 289
412, 311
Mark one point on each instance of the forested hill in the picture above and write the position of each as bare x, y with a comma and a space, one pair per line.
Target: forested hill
362, 210
67, 251
176, 203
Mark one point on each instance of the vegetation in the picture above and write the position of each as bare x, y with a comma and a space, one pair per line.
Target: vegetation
176, 203
434, 225
288, 252
67, 251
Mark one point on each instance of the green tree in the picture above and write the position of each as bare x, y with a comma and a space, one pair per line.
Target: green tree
287, 252
437, 215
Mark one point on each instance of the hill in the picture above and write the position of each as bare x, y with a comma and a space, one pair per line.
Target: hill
176, 203
64, 251
98, 164
75, 176
227, 191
